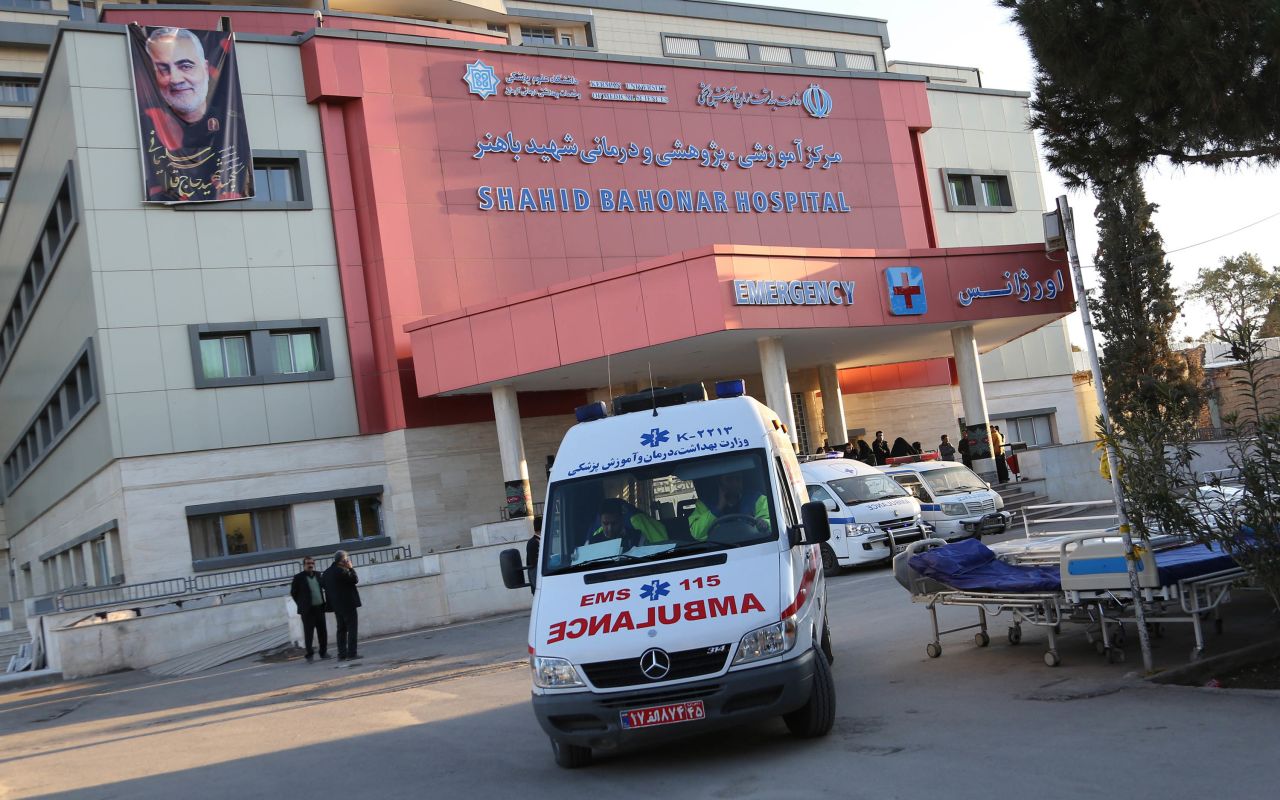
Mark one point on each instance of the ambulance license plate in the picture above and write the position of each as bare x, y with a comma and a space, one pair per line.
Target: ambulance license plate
898, 548
663, 715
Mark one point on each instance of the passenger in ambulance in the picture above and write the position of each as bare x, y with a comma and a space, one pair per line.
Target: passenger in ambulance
621, 520
731, 497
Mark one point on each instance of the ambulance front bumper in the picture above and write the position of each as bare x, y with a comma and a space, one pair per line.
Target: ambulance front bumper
591, 719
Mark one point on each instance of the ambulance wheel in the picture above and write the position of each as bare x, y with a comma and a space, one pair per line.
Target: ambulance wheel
830, 566
981, 639
570, 756
933, 649
1052, 658
815, 717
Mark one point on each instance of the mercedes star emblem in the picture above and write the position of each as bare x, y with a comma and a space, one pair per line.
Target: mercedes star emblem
655, 664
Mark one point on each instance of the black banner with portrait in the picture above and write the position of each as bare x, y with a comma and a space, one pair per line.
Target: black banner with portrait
195, 144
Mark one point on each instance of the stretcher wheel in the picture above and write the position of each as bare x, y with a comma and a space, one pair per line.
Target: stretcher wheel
1052, 658
981, 639
1115, 656
1015, 634
1099, 647
1120, 636
1196, 653
933, 649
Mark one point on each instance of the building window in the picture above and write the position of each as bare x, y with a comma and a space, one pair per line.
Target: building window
75, 394
224, 356
359, 517
820, 58
273, 351
775, 55
59, 223
28, 5
243, 532
19, 91
1035, 429
733, 50
495, 27
678, 46
861, 61
969, 191
82, 9
276, 180
566, 40
538, 36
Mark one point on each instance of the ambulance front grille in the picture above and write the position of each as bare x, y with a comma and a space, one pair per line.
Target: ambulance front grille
981, 506
684, 664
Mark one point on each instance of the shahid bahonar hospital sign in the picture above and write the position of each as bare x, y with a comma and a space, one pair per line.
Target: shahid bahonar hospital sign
599, 151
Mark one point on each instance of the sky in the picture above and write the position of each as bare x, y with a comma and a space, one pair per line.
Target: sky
1195, 204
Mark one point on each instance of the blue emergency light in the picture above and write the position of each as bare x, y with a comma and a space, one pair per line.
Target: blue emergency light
733, 388
591, 412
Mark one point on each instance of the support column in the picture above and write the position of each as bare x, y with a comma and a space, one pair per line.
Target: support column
777, 386
974, 400
515, 471
833, 406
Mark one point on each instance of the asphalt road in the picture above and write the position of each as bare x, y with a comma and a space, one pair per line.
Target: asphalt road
445, 714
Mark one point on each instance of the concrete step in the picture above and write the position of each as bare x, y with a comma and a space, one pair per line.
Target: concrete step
211, 657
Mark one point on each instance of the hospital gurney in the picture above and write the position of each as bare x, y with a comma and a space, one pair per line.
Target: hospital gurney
967, 573
1089, 585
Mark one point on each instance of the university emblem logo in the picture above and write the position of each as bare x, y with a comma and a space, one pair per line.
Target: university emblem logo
481, 79
906, 291
816, 100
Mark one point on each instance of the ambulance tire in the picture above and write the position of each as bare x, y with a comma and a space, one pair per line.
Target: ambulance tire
815, 717
570, 756
825, 644
830, 566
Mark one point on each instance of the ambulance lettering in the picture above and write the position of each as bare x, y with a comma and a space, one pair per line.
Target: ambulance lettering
691, 611
600, 598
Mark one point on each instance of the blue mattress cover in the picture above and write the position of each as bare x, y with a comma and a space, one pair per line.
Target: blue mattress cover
1181, 563
970, 564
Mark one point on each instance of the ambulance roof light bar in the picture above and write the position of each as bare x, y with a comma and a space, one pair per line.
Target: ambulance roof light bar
732, 388
932, 455
591, 411
659, 397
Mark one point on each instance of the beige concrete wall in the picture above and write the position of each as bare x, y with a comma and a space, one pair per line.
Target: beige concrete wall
983, 132
158, 270
398, 596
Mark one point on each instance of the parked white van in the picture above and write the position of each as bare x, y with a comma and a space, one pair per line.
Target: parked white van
678, 587
953, 499
871, 516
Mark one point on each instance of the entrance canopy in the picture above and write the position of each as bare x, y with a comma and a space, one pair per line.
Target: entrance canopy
699, 313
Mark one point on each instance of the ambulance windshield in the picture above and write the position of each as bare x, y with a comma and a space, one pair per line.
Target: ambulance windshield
658, 511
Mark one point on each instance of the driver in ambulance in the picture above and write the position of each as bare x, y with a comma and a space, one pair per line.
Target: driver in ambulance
621, 520
731, 498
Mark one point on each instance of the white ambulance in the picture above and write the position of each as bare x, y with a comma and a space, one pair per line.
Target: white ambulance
679, 585
953, 499
872, 516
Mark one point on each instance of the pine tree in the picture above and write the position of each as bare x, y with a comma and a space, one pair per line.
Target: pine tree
1140, 371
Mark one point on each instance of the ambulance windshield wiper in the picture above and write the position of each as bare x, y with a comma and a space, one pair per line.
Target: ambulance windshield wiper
699, 547
621, 558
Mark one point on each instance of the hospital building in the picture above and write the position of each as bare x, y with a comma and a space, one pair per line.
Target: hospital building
471, 217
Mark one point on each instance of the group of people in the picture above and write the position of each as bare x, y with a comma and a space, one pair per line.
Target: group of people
334, 591
879, 451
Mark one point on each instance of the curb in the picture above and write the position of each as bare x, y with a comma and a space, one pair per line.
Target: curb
24, 680
1196, 673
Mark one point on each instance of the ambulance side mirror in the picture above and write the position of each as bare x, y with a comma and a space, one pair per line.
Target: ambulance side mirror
817, 528
513, 576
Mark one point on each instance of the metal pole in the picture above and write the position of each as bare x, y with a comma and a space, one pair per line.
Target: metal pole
1082, 303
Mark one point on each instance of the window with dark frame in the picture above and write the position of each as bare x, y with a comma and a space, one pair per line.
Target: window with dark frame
537, 36
19, 90
264, 352
73, 398
977, 191
277, 180
237, 533
359, 517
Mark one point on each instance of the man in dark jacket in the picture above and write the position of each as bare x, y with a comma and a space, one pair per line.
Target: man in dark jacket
880, 448
340, 581
308, 594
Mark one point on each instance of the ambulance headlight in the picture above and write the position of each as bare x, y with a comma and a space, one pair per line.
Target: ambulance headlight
999, 501
861, 529
553, 673
767, 642
954, 509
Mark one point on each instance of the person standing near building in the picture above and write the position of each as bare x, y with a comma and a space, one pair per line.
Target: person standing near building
308, 596
964, 449
945, 451
340, 581
880, 449
997, 448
